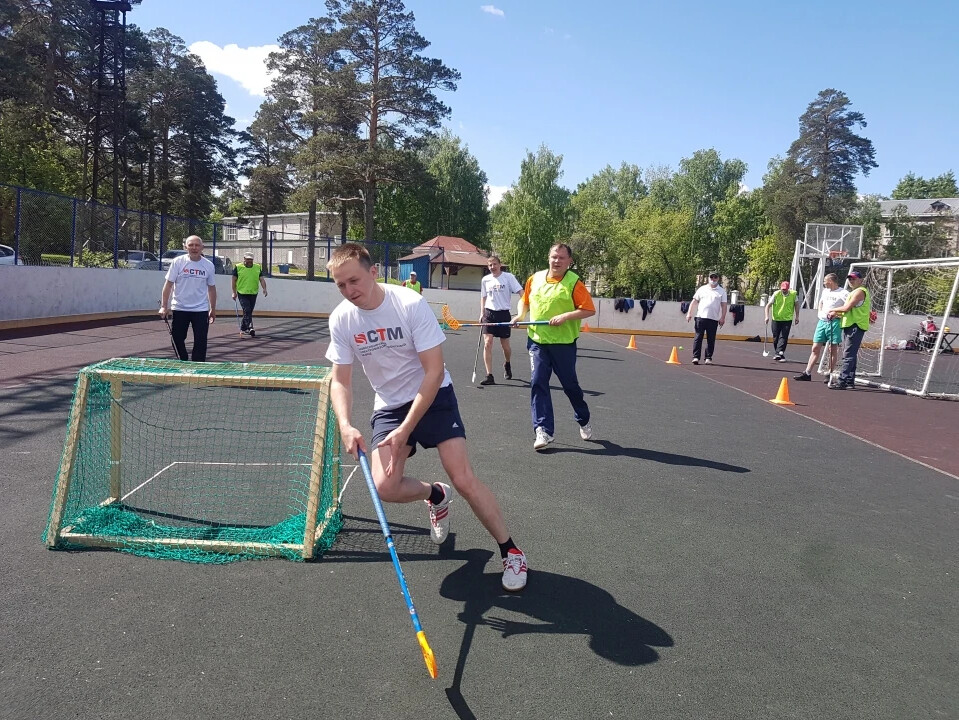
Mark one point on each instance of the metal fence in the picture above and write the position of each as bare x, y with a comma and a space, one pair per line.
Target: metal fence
47, 229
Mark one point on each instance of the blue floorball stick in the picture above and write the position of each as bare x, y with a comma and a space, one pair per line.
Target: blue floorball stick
428, 656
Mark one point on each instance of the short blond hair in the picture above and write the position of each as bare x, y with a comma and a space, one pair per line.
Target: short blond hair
350, 251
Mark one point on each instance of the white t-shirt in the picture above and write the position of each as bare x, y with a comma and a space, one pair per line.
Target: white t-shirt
710, 302
830, 300
387, 341
190, 281
497, 290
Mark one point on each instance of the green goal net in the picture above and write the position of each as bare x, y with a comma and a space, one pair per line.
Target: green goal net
202, 462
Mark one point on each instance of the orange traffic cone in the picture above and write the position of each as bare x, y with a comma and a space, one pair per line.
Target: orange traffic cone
632, 343
585, 327
673, 357
782, 397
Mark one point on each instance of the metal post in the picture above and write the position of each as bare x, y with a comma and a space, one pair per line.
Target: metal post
16, 230
162, 237
272, 238
116, 237
885, 317
386, 262
214, 242
942, 329
73, 232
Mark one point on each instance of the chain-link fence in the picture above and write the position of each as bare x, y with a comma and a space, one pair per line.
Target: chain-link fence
42, 228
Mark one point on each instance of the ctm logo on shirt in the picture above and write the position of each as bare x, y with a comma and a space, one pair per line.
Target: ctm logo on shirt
378, 335
194, 271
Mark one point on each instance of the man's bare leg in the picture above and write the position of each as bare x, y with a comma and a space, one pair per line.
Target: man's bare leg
455, 459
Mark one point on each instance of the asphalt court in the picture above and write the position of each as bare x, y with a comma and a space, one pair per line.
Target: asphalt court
709, 554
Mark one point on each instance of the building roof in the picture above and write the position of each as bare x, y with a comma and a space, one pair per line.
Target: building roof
921, 208
450, 250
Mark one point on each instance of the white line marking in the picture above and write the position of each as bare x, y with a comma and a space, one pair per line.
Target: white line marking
146, 481
350, 477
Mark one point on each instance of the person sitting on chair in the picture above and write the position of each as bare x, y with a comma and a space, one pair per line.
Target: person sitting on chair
926, 336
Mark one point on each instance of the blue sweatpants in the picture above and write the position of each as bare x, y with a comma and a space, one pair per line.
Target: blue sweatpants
544, 361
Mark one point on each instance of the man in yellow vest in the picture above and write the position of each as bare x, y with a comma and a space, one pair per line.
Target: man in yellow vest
855, 322
784, 306
413, 283
247, 280
559, 296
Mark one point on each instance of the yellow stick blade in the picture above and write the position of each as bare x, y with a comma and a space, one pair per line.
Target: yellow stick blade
428, 656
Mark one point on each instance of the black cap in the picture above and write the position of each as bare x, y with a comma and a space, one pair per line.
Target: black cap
714, 274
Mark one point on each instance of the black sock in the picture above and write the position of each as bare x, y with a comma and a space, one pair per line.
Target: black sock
507, 546
437, 494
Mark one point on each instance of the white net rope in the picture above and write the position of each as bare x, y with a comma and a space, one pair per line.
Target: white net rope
904, 346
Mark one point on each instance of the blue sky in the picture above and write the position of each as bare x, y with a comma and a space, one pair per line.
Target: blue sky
647, 83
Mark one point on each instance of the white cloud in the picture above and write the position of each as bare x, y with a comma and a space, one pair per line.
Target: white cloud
492, 10
245, 65
743, 188
495, 194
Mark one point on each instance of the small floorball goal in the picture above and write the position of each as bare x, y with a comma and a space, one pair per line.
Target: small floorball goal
913, 346
203, 462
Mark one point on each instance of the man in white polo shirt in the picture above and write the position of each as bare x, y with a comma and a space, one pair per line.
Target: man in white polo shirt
496, 290
190, 293
827, 331
709, 306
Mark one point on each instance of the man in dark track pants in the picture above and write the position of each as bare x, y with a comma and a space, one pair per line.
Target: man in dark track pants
559, 296
709, 306
189, 292
247, 281
855, 314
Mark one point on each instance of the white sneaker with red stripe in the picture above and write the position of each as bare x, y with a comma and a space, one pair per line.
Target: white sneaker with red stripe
514, 570
440, 516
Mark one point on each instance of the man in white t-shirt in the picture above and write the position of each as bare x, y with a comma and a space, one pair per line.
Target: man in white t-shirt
496, 290
396, 338
828, 331
190, 293
709, 306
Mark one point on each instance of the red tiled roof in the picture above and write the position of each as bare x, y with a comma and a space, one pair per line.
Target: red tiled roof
449, 243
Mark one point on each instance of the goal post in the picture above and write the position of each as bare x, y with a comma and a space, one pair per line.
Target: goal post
204, 462
900, 352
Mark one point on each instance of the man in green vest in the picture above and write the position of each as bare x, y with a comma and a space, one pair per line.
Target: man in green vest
559, 296
247, 280
413, 283
784, 306
854, 323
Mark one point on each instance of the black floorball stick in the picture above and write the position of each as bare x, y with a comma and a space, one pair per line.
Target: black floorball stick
239, 323
176, 352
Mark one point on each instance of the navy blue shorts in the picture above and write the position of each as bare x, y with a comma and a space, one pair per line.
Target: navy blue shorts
441, 422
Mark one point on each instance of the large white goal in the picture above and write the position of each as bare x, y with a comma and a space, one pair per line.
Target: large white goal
899, 352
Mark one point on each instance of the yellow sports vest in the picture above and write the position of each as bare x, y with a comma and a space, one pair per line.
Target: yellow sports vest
414, 286
784, 306
858, 315
247, 279
547, 300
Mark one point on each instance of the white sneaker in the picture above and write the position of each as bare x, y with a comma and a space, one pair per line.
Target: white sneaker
440, 516
586, 431
708, 361
543, 439
514, 571
695, 361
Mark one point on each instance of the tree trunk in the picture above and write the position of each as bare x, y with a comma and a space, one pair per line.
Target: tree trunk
369, 203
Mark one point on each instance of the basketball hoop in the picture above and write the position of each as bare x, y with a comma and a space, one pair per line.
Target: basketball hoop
838, 255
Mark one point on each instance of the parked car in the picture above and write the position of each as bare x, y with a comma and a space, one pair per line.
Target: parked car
222, 265
136, 258
7, 256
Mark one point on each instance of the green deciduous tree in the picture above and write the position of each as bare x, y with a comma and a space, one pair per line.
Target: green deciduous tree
599, 206
533, 214
914, 187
